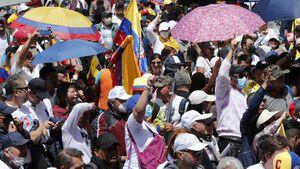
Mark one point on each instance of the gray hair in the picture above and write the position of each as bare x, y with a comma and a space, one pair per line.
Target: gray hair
230, 163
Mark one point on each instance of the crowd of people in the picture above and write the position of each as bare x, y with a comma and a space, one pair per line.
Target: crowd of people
210, 105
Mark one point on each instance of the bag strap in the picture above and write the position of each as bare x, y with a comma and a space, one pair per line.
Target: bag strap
155, 111
107, 118
182, 106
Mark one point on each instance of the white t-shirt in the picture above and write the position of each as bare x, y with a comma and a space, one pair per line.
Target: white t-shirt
26, 73
26, 114
3, 46
176, 118
204, 63
44, 110
74, 136
255, 59
3, 165
142, 137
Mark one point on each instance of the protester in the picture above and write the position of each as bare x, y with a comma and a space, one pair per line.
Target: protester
144, 146
205, 99
189, 153
105, 153
70, 158
230, 101
15, 151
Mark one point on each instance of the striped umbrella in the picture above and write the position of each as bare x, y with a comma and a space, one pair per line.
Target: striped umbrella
64, 23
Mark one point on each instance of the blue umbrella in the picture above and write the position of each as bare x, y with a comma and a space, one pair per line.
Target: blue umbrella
68, 50
271, 10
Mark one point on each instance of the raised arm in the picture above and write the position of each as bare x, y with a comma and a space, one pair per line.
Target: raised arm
139, 111
21, 55
223, 80
71, 123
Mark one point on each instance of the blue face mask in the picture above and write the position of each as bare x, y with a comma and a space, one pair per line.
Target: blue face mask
242, 82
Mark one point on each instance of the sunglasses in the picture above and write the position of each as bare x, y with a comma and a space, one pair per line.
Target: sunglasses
156, 63
22, 88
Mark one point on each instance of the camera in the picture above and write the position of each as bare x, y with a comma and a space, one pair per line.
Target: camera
45, 32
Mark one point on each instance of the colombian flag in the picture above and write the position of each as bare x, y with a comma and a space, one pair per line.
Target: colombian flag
131, 25
126, 65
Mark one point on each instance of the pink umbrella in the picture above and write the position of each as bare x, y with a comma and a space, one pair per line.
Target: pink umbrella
216, 22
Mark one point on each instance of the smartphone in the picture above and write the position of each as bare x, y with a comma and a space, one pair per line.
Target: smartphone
45, 32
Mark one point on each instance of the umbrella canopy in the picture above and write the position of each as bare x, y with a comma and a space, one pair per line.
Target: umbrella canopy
68, 50
216, 22
4, 3
271, 10
64, 23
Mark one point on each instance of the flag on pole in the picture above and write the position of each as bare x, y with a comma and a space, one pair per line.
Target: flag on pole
131, 25
126, 65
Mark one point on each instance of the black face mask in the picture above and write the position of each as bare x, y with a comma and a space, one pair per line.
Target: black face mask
251, 49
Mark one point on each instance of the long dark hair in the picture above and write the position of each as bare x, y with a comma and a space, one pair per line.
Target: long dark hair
62, 91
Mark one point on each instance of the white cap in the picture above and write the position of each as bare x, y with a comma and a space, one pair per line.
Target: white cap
187, 141
276, 37
118, 92
164, 26
22, 7
199, 96
172, 24
264, 117
298, 42
190, 117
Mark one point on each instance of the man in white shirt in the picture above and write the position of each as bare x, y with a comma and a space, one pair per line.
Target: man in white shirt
74, 134
16, 93
15, 151
230, 102
140, 136
201, 126
23, 64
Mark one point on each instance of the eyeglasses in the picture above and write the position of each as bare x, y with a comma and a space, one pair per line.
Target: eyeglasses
22, 88
158, 63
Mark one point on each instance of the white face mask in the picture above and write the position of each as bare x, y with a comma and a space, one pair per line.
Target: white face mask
122, 108
164, 34
19, 161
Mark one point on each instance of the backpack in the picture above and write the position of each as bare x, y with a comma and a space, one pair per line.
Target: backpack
182, 108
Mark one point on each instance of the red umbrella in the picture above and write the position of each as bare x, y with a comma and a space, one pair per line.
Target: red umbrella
216, 22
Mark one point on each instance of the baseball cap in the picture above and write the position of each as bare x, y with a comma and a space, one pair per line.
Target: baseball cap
38, 85
261, 65
131, 102
105, 141
286, 160
13, 139
118, 92
192, 116
264, 117
167, 2
199, 96
236, 69
187, 141
297, 42
162, 81
22, 7
294, 108
139, 83
275, 71
106, 14
164, 26
5, 109
275, 37
182, 77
